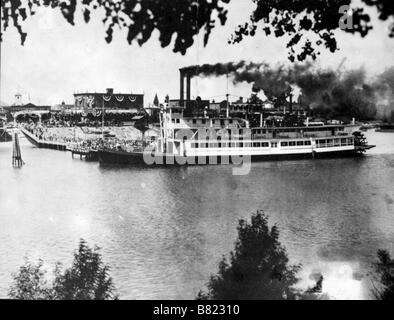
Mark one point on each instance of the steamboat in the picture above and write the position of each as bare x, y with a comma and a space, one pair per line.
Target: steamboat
201, 140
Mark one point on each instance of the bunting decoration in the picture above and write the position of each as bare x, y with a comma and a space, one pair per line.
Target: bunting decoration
132, 98
119, 98
90, 101
106, 98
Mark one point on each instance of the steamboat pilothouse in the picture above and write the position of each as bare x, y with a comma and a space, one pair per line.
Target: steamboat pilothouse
203, 140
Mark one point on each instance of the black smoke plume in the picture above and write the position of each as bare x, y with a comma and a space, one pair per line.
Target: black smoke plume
327, 92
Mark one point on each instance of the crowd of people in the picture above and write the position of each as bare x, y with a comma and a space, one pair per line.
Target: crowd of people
53, 134
125, 145
85, 138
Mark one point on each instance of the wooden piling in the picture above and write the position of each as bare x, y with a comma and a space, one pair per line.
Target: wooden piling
16, 151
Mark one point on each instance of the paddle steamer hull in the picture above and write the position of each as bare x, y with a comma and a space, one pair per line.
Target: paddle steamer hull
137, 158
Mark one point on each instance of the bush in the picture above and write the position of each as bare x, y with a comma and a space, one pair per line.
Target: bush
258, 268
384, 269
30, 283
87, 279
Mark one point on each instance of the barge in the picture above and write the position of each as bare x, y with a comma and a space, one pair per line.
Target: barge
39, 143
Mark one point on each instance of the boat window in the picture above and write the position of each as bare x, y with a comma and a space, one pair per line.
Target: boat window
178, 120
300, 143
231, 121
307, 143
343, 141
232, 145
247, 144
194, 121
265, 144
256, 144
274, 144
292, 143
222, 122
241, 144
203, 121
284, 144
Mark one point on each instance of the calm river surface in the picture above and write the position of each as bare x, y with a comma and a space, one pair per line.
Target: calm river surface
163, 231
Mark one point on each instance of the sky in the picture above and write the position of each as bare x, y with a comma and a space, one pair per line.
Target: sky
58, 59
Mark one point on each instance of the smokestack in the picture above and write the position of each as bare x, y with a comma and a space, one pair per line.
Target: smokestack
182, 81
110, 91
291, 103
188, 87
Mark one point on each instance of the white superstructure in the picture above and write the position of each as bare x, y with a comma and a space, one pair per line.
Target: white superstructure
212, 137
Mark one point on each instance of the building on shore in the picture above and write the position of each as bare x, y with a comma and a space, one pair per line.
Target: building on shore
113, 108
109, 101
19, 105
26, 108
20, 109
63, 107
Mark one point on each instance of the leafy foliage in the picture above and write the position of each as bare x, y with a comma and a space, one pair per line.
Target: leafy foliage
87, 279
384, 269
30, 283
258, 268
299, 19
181, 19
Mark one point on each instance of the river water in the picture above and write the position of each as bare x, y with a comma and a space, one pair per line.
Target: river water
164, 230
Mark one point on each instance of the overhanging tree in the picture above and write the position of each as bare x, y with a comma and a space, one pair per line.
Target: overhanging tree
310, 24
